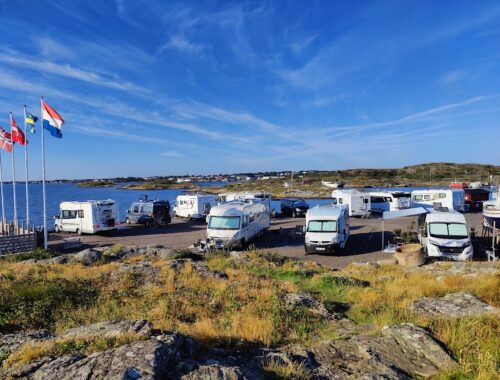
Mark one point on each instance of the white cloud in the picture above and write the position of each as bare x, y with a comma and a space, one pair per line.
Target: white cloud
172, 153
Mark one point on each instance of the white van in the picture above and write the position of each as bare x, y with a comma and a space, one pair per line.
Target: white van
453, 199
389, 200
194, 206
445, 234
234, 224
245, 197
327, 229
87, 217
359, 202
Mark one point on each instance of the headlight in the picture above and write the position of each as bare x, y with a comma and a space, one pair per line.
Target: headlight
298, 209
468, 243
433, 242
334, 241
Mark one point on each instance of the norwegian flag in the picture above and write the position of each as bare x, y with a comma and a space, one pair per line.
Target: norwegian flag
5, 140
16, 133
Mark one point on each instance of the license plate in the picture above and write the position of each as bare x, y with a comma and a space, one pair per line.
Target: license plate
320, 248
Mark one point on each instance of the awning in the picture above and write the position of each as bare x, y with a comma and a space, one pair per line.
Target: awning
405, 212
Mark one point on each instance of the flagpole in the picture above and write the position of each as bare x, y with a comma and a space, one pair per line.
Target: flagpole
26, 170
45, 233
1, 189
13, 176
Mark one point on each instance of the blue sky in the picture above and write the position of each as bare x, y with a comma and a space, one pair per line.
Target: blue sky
157, 88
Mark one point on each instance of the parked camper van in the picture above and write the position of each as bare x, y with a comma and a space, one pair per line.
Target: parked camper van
327, 229
389, 200
234, 224
358, 202
445, 234
294, 207
194, 206
149, 212
87, 217
245, 197
453, 199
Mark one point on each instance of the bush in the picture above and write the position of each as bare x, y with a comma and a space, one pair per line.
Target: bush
34, 304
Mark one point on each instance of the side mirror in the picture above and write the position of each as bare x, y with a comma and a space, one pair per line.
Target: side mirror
128, 211
424, 232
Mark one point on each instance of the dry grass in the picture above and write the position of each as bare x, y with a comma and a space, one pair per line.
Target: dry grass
276, 368
248, 308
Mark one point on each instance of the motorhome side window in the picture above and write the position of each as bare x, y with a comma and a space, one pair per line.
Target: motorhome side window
136, 209
341, 201
69, 214
418, 197
80, 214
427, 197
365, 200
442, 195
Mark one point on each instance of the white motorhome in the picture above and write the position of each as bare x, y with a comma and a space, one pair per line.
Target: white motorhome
245, 197
359, 202
87, 217
389, 200
327, 229
445, 234
453, 199
234, 224
194, 206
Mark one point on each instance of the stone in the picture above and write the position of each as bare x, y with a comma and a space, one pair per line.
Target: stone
410, 255
142, 272
109, 329
200, 267
87, 256
453, 305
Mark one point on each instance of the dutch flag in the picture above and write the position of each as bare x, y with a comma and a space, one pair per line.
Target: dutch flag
52, 121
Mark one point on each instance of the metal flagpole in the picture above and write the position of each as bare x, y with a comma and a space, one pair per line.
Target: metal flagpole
45, 233
13, 176
26, 170
1, 190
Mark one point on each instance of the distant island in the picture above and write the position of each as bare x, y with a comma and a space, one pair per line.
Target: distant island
159, 185
96, 183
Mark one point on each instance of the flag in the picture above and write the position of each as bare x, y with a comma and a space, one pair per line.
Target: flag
30, 120
52, 121
5, 141
16, 133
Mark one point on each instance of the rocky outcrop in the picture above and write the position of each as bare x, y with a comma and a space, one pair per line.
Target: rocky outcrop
453, 305
11, 342
147, 359
403, 352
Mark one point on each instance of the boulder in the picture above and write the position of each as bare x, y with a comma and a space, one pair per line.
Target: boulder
410, 255
453, 305
87, 256
142, 272
200, 267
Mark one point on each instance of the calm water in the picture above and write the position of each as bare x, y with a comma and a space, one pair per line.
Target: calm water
57, 193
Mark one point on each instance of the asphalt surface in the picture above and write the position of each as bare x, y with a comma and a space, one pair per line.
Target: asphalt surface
365, 242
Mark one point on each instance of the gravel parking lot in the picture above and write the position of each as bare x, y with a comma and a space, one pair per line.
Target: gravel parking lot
364, 244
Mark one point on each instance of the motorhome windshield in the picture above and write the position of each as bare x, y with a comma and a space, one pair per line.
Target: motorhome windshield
224, 222
322, 226
448, 230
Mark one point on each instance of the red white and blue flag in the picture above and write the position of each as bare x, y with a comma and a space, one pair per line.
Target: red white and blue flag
52, 121
5, 141
16, 133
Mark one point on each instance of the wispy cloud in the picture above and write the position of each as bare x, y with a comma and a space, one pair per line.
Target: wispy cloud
182, 44
172, 153
452, 76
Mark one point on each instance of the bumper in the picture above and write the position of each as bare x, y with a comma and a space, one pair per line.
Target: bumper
321, 248
465, 255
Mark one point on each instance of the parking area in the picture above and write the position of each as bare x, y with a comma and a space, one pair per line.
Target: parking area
364, 244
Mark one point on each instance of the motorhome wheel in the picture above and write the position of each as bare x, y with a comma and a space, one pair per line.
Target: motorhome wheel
56, 228
127, 220
78, 232
294, 214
